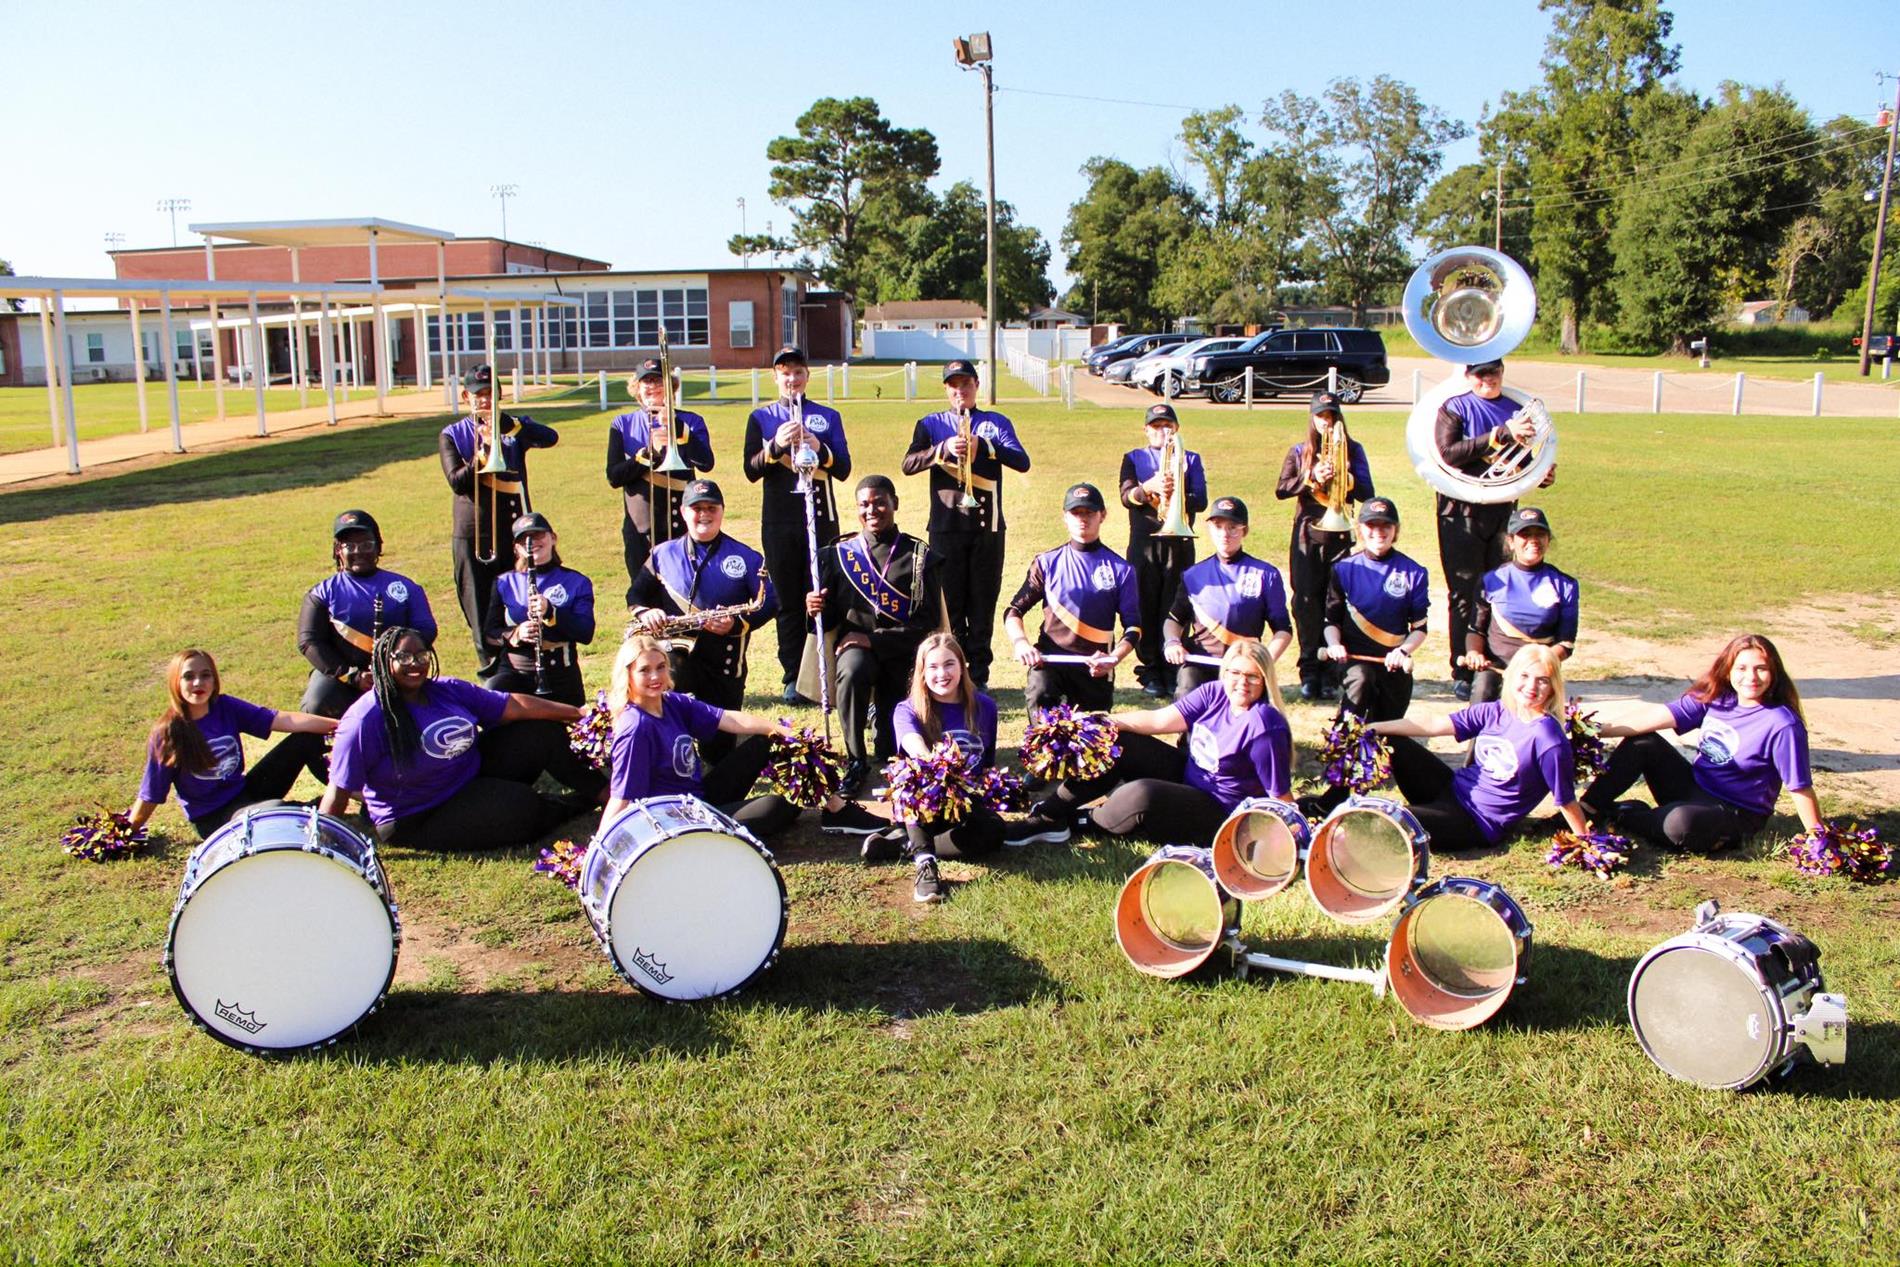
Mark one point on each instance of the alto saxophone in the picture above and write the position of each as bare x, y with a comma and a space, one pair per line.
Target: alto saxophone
694, 621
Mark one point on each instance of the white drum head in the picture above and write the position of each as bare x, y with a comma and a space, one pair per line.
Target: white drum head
1703, 1018
282, 950
696, 916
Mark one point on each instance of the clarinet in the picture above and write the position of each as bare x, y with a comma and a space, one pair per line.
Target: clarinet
540, 665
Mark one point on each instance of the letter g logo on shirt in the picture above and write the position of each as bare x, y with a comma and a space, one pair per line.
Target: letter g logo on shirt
1719, 742
1204, 748
448, 737
685, 757
1495, 757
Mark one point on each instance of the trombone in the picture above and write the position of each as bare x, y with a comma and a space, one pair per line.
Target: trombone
659, 505
493, 467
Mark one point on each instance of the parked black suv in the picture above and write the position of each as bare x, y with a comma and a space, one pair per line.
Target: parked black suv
1295, 361
1131, 347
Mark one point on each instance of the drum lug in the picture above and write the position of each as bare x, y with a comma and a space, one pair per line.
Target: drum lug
1706, 913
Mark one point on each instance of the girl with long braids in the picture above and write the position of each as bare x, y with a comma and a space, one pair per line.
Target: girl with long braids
197, 748
434, 760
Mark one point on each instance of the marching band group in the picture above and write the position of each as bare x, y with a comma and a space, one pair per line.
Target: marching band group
905, 627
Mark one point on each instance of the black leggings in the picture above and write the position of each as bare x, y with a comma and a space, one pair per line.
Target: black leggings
498, 808
1426, 784
1373, 692
558, 758
727, 783
1685, 816
267, 782
980, 832
1146, 794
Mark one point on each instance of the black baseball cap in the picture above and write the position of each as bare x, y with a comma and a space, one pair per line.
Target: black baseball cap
790, 352
1378, 510
703, 491
1228, 508
1160, 413
958, 369
533, 521
1528, 517
1493, 366
1083, 497
355, 521
480, 379
648, 368
1325, 403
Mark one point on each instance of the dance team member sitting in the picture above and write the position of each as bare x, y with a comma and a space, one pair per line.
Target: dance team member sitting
434, 760
1519, 756
1307, 471
1082, 586
1753, 743
944, 703
1525, 601
1375, 617
1239, 745
198, 748
655, 752
1225, 597
345, 612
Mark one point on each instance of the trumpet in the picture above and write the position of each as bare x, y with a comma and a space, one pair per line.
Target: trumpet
1174, 464
966, 460
1334, 452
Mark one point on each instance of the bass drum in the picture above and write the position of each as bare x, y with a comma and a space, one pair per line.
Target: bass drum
285, 935
685, 902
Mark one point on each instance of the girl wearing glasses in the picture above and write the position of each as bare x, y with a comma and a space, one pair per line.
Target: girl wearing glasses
433, 759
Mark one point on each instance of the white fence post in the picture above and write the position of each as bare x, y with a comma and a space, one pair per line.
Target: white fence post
712, 383
1418, 381
1246, 386
1735, 408
844, 375
1886, 366
828, 384
755, 387
1580, 382
1819, 378
1068, 384
1655, 394
1332, 378
515, 383
602, 379
910, 380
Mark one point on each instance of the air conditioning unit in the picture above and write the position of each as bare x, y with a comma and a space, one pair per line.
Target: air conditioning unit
96, 374
742, 338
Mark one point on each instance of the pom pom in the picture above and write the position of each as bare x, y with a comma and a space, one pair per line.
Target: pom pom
1598, 852
592, 736
1060, 743
804, 769
106, 834
1354, 756
937, 788
1587, 749
1853, 851
1002, 791
562, 861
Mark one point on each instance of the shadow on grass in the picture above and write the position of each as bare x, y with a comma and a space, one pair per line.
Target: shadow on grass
906, 979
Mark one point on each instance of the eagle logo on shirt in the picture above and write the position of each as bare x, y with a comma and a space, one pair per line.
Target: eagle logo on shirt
816, 424
556, 594
1398, 584
228, 754
1248, 584
1103, 577
733, 566
1495, 757
398, 591
1204, 747
1544, 593
969, 744
448, 738
1719, 742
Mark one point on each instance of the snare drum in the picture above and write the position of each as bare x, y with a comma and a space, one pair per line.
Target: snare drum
1457, 952
1367, 855
1725, 1004
685, 902
1257, 850
1173, 913
285, 934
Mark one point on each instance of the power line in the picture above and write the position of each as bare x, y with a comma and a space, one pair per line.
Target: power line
1709, 176
1741, 154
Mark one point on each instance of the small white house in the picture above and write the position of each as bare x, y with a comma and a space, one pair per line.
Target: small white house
1761, 312
933, 315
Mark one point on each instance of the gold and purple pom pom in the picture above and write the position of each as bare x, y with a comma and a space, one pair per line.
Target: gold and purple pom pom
1598, 852
805, 770
936, 788
1354, 756
1061, 743
102, 835
592, 735
1853, 851
562, 861
1002, 791
1587, 749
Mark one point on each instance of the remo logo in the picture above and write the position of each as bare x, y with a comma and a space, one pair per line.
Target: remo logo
1719, 742
449, 737
1495, 757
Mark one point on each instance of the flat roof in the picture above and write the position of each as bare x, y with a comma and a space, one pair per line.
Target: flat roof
116, 288
350, 231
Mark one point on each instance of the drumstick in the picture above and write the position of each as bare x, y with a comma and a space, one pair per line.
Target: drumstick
1060, 657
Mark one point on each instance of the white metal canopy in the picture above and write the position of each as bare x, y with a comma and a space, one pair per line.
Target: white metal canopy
349, 231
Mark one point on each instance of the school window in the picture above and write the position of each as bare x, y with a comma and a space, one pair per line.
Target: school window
95, 349
474, 334
788, 316
681, 311
623, 318
739, 322
504, 331
599, 333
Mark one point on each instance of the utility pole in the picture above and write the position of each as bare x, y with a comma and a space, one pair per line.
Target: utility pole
504, 192
1880, 233
745, 257
1497, 235
974, 53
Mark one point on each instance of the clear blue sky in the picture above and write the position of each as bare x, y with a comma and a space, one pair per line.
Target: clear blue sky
633, 129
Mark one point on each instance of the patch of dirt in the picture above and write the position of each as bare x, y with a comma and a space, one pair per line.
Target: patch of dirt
426, 939
131, 1004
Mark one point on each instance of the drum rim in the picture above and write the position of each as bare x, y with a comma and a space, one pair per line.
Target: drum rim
378, 884
1299, 828
1781, 1049
1227, 904
1418, 838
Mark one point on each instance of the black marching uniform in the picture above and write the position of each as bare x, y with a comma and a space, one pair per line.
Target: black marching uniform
1158, 561
1312, 553
461, 463
969, 540
782, 511
891, 590
630, 468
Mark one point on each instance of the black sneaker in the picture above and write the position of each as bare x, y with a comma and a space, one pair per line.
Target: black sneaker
1036, 830
855, 772
887, 845
1461, 690
851, 820
1310, 692
790, 696
1153, 688
929, 885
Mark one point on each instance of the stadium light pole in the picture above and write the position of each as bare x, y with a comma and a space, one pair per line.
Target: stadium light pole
975, 53
504, 192
1880, 232
745, 257
172, 206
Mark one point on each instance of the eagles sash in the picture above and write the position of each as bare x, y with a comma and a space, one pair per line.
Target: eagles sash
884, 598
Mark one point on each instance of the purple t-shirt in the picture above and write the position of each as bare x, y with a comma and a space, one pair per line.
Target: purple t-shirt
1234, 755
1745, 755
1514, 765
978, 742
656, 756
448, 714
224, 724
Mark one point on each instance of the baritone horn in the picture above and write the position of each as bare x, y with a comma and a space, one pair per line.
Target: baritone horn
1466, 305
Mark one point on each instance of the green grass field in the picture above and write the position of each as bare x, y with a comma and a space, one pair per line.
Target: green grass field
986, 1080
112, 409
